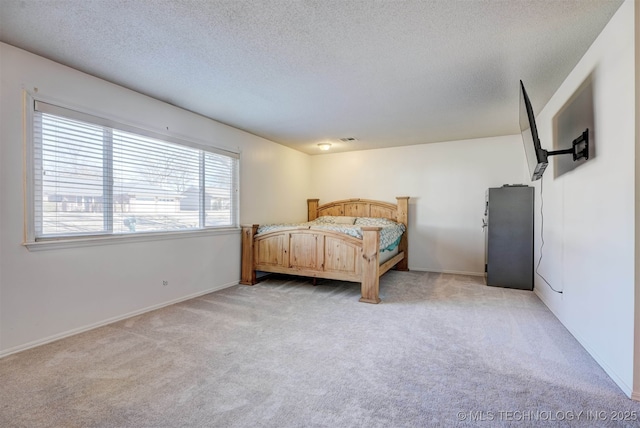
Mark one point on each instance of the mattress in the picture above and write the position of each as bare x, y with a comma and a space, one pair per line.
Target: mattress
390, 234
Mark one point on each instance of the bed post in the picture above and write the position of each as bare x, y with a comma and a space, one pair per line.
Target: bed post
403, 217
370, 286
247, 272
312, 209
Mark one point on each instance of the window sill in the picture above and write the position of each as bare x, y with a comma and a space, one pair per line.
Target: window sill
90, 241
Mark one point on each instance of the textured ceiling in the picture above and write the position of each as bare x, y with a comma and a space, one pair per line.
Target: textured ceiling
388, 73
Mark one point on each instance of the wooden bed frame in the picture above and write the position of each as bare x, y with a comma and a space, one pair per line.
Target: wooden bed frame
325, 254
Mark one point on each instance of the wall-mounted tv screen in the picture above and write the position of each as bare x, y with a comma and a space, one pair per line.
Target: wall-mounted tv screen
536, 155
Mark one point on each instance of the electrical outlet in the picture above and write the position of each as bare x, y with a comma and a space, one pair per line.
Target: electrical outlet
165, 283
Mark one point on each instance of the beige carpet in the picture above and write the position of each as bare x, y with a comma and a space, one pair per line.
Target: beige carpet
440, 350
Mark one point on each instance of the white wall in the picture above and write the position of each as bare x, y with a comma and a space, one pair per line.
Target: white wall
47, 294
447, 183
589, 212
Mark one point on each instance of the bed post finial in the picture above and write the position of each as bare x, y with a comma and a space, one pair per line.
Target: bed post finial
312, 209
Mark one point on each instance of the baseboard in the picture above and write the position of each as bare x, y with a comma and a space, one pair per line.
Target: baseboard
108, 321
453, 272
626, 389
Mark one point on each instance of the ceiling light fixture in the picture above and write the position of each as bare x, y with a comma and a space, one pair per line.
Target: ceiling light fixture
324, 146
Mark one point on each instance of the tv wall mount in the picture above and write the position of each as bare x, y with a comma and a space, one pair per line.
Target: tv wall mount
579, 149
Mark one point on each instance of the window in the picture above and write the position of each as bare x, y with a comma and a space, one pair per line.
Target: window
94, 177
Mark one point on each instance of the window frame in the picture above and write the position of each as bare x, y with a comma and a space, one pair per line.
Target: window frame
31, 242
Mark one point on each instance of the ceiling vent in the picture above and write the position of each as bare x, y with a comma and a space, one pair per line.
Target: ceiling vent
348, 139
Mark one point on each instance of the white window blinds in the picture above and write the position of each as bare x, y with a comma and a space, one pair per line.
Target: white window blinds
93, 177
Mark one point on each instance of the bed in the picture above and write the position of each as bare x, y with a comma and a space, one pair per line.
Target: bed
329, 246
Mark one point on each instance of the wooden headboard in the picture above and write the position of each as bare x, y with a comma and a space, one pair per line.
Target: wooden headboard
361, 208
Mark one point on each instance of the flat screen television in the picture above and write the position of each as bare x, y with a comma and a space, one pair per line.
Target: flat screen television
536, 155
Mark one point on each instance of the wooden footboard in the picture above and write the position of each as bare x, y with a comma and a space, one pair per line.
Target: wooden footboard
326, 254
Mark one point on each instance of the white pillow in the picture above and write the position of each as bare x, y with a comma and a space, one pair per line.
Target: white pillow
331, 219
374, 221
344, 220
